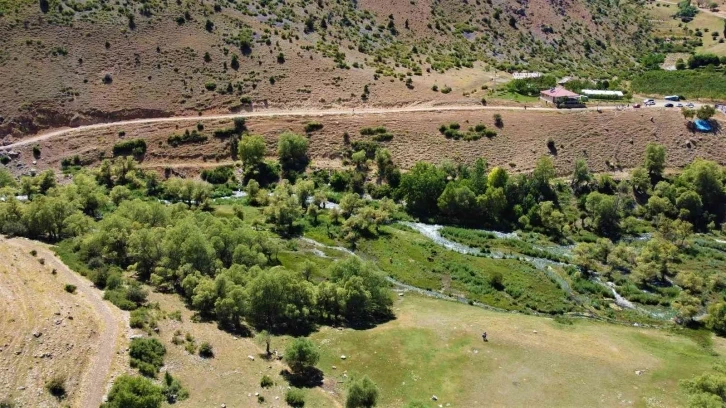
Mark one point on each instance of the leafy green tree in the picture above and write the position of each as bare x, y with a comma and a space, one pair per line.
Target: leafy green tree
705, 112
492, 204
362, 393
283, 209
292, 151
605, 212
251, 150
655, 157
304, 189
133, 392
716, 319
640, 180
421, 187
349, 203
581, 176
301, 355
478, 178
280, 300
366, 297
686, 307
457, 201
7, 179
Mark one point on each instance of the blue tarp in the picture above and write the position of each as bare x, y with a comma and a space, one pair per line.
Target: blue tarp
702, 125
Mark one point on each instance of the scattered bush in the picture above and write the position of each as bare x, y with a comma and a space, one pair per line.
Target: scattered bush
134, 392
70, 288
313, 126
56, 386
219, 175
266, 382
205, 350
295, 398
187, 137
136, 147
147, 354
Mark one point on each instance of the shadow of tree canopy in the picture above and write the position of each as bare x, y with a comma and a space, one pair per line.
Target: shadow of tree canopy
309, 378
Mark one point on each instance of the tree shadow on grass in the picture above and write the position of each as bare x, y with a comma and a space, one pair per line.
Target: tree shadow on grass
310, 378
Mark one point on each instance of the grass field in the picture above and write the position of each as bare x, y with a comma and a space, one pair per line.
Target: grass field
691, 84
666, 26
434, 348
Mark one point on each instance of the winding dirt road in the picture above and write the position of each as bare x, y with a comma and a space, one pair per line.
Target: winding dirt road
112, 323
288, 113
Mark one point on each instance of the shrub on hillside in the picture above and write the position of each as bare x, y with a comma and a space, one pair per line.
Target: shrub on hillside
56, 386
147, 354
205, 350
295, 398
134, 147
187, 137
134, 392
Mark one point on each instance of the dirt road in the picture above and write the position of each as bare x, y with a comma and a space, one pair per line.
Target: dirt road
111, 328
289, 113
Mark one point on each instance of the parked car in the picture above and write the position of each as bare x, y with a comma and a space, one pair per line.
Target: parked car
690, 105
637, 105
668, 105
648, 102
680, 105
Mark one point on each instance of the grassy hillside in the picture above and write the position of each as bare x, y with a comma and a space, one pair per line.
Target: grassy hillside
70, 62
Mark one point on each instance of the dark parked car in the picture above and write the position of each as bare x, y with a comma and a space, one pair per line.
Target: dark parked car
668, 105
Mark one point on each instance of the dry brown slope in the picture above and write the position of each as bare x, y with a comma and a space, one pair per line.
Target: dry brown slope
615, 137
49, 332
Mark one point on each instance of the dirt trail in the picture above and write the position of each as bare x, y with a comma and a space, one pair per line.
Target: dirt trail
289, 113
95, 380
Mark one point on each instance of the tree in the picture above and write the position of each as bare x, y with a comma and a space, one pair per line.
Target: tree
283, 209
655, 156
304, 189
686, 307
640, 180
362, 393
421, 188
581, 176
688, 113
301, 355
478, 177
292, 150
251, 150
705, 112
133, 392
280, 300
497, 178
716, 319
605, 212
457, 201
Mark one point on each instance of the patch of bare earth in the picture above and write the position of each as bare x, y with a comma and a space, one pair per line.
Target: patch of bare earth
46, 332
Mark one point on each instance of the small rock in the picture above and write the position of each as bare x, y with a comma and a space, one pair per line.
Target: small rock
534, 331
257, 394
223, 406
343, 357
251, 358
434, 398
37, 334
21, 388
334, 367
639, 372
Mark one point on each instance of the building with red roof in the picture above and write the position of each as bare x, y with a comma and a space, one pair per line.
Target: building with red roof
559, 95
